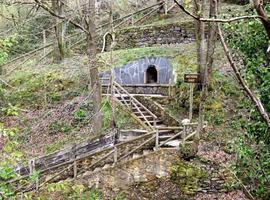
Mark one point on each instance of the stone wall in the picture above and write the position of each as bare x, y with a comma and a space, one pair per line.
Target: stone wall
135, 71
191, 178
165, 90
123, 175
155, 35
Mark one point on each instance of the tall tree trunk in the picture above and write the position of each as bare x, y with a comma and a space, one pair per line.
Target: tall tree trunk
95, 85
60, 47
212, 36
200, 38
207, 69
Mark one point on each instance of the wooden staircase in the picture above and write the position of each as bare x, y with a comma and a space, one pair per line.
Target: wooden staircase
142, 114
106, 151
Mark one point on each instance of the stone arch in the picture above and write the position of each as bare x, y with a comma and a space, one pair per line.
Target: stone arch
151, 75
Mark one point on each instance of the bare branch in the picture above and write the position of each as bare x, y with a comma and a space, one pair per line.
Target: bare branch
257, 102
42, 5
216, 20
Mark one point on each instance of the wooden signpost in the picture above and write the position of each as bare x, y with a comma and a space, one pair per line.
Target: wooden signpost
191, 79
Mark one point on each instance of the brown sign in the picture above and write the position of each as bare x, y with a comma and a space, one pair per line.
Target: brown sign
192, 78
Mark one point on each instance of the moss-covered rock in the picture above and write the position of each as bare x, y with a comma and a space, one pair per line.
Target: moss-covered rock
188, 151
187, 177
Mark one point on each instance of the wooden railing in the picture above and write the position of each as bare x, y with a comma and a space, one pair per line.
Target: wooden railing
110, 155
125, 96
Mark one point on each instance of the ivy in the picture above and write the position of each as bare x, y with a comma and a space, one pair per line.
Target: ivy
249, 43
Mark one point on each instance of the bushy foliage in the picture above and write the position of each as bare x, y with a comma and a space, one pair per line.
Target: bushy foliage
37, 89
249, 42
30, 34
9, 158
5, 47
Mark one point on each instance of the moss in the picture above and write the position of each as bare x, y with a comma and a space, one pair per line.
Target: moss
187, 176
180, 55
164, 24
54, 146
37, 89
188, 151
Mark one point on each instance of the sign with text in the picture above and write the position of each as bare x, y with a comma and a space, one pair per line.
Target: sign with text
192, 78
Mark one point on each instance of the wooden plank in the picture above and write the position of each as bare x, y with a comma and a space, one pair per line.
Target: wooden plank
137, 148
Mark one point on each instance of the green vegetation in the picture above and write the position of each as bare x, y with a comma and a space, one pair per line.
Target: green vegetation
41, 99
250, 42
121, 57
54, 146
37, 89
9, 159
187, 176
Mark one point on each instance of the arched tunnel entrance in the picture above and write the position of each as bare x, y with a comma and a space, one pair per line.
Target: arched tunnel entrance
151, 75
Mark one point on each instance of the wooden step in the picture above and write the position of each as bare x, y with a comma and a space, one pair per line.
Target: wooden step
163, 132
106, 166
158, 122
172, 143
145, 152
145, 116
136, 155
138, 106
143, 112
97, 169
166, 137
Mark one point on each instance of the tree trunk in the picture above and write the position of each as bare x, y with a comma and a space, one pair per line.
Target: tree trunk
200, 38
258, 4
212, 36
95, 85
60, 47
207, 69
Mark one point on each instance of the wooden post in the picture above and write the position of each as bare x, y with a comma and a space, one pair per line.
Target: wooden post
115, 155
37, 183
184, 134
191, 101
157, 136
31, 166
166, 7
132, 20
157, 139
44, 42
32, 169
75, 169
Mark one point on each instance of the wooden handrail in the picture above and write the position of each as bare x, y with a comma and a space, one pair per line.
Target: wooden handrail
174, 4
119, 93
149, 124
129, 15
137, 148
134, 99
84, 156
146, 15
99, 160
170, 128
171, 138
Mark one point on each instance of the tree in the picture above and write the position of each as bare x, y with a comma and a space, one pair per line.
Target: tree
93, 68
255, 100
258, 5
88, 25
199, 9
60, 48
205, 57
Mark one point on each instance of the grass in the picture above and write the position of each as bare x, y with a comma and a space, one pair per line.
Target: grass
122, 57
